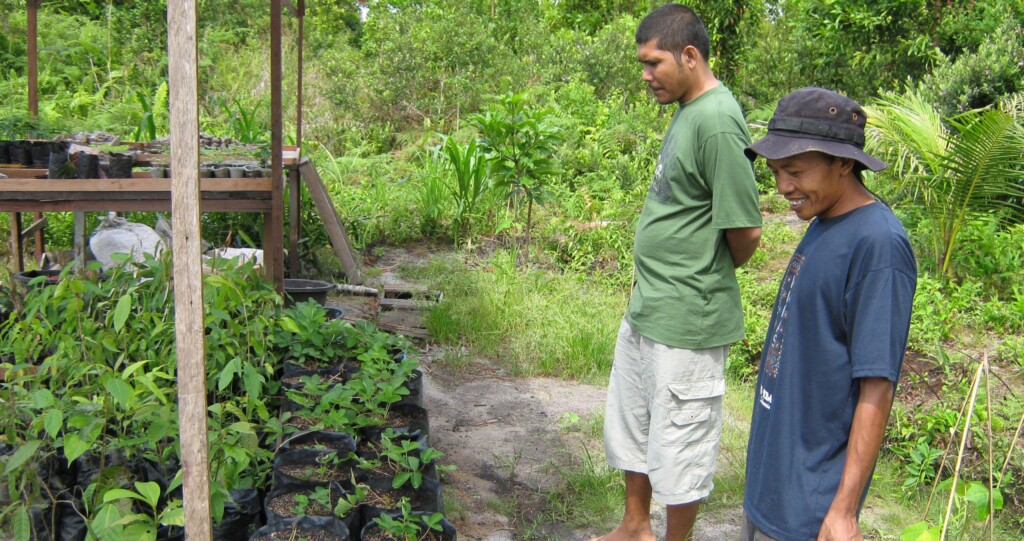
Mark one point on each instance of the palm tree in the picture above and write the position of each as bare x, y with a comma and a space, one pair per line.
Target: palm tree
956, 168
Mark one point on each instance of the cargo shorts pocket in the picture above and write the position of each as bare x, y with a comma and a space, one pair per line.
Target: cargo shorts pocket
696, 411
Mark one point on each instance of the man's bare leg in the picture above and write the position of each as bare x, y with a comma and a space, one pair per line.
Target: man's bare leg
680, 521
636, 523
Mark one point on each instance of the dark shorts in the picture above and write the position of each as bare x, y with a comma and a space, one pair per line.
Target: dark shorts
751, 532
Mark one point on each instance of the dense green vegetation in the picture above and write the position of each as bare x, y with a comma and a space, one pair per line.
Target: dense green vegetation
408, 117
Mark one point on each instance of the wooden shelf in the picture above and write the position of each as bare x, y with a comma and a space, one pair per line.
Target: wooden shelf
30, 194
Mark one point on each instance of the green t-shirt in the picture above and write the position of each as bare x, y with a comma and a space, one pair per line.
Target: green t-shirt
686, 294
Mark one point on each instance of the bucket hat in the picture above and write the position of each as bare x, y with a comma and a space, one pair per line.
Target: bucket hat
816, 119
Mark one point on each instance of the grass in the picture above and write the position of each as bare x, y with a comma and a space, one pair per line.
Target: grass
533, 321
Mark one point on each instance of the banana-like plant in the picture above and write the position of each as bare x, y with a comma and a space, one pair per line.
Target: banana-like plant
956, 168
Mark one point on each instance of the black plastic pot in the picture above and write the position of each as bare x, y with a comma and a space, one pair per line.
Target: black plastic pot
242, 516
87, 165
25, 278
280, 505
403, 419
40, 151
20, 153
60, 166
373, 532
297, 290
371, 451
415, 386
309, 467
425, 499
328, 528
323, 440
5, 155
120, 165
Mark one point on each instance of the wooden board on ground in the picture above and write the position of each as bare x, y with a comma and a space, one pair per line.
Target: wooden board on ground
397, 309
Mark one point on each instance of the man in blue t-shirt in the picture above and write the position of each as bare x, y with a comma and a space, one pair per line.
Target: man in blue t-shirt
837, 333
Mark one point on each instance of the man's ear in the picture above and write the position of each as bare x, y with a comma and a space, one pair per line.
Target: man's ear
691, 56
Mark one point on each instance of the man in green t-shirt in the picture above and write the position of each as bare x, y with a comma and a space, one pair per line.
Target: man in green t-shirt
701, 220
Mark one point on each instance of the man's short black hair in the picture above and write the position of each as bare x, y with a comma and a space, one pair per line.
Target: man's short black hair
675, 27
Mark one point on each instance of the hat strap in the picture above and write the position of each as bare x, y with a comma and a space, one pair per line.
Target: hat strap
846, 134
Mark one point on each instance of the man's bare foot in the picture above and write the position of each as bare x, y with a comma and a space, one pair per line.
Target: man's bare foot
623, 533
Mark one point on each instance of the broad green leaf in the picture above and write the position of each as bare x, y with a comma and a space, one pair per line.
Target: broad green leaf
121, 311
74, 447
121, 391
921, 532
53, 421
289, 325
150, 492
140, 532
174, 515
119, 494
25, 452
105, 523
43, 398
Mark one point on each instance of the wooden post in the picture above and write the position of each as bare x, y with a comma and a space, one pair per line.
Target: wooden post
33, 58
298, 83
16, 252
273, 222
188, 280
295, 220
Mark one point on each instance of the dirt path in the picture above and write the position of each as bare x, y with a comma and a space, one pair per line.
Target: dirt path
504, 435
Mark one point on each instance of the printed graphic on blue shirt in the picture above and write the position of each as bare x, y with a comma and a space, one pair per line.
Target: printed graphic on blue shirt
778, 336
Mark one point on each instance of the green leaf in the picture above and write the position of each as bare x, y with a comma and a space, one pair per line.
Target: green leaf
22, 525
921, 532
120, 494
289, 325
43, 398
105, 523
25, 452
120, 390
121, 311
150, 492
140, 532
74, 447
53, 421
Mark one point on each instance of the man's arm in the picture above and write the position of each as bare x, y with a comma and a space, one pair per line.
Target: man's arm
866, 434
742, 243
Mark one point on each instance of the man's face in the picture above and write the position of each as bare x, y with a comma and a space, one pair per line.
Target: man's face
814, 184
669, 79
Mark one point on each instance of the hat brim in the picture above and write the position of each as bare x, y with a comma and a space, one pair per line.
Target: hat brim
776, 146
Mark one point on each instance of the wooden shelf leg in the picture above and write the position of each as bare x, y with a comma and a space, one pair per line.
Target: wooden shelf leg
17, 260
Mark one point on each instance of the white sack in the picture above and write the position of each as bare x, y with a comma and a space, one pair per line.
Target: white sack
117, 235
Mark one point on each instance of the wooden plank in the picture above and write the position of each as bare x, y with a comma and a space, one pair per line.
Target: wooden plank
132, 185
131, 205
402, 304
37, 225
12, 172
335, 230
188, 282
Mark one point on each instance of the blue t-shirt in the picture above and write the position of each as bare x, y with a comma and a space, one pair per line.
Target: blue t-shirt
842, 313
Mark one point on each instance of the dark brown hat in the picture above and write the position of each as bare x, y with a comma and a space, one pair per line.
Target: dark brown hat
816, 119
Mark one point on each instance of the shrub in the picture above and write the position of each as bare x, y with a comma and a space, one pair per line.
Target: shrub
982, 78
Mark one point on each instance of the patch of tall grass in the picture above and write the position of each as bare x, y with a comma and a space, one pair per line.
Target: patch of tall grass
534, 321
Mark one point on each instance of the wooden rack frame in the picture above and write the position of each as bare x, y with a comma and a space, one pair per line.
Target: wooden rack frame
213, 198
